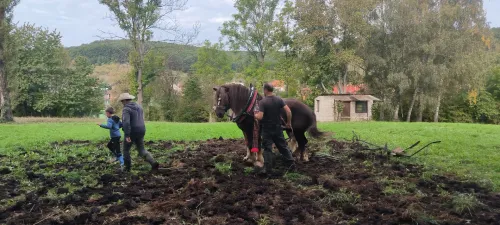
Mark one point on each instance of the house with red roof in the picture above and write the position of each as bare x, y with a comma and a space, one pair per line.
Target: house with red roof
279, 85
348, 89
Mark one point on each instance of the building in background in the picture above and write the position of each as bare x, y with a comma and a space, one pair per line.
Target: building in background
343, 107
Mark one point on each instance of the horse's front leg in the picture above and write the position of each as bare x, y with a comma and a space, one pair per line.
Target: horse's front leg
259, 155
247, 157
260, 158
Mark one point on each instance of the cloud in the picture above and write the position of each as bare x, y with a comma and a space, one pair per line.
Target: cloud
65, 18
226, 2
219, 19
39, 11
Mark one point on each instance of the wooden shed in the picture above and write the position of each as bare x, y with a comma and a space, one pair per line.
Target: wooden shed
343, 107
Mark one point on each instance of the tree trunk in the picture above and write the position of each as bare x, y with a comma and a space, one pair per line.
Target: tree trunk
211, 117
402, 111
414, 97
396, 113
420, 107
436, 113
5, 107
344, 81
324, 88
340, 85
382, 110
262, 57
287, 85
139, 86
141, 50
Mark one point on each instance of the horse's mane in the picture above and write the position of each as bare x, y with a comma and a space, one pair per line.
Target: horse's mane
238, 95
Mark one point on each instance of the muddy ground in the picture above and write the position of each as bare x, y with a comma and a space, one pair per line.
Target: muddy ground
207, 183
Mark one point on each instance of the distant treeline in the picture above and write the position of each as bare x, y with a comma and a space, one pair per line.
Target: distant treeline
181, 57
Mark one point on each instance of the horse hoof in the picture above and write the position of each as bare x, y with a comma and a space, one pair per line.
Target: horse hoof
246, 158
259, 164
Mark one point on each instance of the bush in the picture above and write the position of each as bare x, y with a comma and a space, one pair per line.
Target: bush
192, 107
192, 113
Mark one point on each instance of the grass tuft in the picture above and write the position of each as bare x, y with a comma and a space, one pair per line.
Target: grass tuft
464, 202
224, 168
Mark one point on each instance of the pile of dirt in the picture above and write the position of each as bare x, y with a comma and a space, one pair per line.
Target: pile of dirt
211, 185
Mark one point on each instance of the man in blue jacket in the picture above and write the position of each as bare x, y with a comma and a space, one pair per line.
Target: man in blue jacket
114, 125
134, 129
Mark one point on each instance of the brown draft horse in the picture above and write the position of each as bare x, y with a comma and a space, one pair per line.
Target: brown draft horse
237, 97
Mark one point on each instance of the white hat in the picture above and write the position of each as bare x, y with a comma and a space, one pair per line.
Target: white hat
125, 96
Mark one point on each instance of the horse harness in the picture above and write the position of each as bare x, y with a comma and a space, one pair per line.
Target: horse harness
249, 106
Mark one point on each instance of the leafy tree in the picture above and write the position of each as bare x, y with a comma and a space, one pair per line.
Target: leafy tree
138, 19
289, 67
191, 108
39, 67
331, 33
160, 97
496, 33
81, 95
433, 47
493, 83
252, 27
163, 100
44, 79
485, 110
213, 67
6, 8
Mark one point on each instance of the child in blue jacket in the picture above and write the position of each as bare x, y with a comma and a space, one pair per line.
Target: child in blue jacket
114, 124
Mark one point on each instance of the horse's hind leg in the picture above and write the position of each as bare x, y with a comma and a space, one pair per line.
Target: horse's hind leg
292, 143
302, 142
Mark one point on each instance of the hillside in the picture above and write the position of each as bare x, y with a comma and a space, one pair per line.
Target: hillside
116, 51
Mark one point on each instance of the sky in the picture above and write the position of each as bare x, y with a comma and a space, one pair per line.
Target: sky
84, 21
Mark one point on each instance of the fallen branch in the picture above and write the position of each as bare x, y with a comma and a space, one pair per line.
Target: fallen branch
51, 216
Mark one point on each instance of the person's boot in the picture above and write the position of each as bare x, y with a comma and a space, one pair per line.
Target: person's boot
289, 160
290, 165
268, 162
127, 165
120, 159
155, 166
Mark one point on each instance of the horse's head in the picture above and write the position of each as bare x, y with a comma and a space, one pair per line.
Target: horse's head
221, 101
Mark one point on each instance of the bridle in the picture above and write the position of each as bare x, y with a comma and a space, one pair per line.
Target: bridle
246, 111
225, 107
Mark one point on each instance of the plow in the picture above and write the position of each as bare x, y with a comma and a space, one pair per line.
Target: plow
397, 152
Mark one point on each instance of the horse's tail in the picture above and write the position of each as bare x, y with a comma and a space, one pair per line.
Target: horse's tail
313, 130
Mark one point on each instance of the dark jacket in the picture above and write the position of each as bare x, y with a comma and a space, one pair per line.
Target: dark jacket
133, 119
113, 125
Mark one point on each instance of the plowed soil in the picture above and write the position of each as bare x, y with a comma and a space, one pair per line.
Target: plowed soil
209, 184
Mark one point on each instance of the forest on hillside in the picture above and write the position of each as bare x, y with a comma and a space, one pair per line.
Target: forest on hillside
434, 60
180, 57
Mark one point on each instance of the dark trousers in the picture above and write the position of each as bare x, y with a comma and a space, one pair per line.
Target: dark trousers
138, 140
274, 134
114, 146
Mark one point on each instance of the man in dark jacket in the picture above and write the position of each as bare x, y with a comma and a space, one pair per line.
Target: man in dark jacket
134, 129
270, 119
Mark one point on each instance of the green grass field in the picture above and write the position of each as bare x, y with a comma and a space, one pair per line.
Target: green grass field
469, 150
